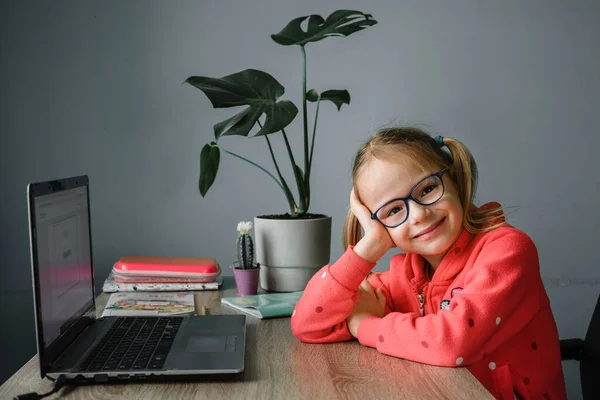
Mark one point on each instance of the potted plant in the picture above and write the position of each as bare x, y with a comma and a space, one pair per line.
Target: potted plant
245, 271
290, 247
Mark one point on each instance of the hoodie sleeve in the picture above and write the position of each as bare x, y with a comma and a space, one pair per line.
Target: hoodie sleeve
329, 298
499, 297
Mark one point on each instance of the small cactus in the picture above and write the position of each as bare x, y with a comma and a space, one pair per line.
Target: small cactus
245, 246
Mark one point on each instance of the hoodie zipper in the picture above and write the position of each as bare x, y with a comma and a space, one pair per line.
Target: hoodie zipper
421, 298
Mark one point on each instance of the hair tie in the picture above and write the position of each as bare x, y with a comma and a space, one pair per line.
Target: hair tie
440, 141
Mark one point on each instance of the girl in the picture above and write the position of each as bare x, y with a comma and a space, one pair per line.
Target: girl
468, 291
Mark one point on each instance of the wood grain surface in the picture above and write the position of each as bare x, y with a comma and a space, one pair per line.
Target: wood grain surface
278, 366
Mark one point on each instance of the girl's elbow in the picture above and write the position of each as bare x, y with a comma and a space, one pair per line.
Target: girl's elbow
297, 329
298, 324
303, 332
306, 332
308, 337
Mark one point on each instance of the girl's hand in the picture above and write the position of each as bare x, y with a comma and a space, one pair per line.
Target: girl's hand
376, 241
371, 303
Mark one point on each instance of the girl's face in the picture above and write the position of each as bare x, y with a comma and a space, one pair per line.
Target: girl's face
428, 230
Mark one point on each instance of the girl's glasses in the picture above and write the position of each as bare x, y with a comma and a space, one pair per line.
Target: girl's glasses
428, 191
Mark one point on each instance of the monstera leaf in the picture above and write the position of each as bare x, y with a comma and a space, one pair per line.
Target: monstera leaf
253, 88
339, 23
337, 97
209, 165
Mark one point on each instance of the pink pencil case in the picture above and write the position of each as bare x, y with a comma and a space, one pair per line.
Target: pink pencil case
174, 267
160, 279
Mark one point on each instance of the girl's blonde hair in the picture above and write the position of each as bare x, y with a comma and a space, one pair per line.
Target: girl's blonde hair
407, 143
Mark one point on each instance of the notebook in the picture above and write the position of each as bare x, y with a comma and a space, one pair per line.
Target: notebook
266, 305
110, 285
125, 304
73, 343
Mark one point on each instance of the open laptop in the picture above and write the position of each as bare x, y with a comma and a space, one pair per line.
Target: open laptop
74, 343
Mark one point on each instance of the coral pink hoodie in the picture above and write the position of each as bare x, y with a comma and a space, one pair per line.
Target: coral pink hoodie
485, 308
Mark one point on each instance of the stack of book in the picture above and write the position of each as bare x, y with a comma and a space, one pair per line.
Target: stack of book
159, 274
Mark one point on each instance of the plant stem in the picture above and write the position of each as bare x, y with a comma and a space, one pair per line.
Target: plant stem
305, 121
287, 193
273, 157
297, 175
288, 147
312, 148
312, 145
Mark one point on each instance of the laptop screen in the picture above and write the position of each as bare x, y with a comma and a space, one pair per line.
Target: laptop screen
61, 250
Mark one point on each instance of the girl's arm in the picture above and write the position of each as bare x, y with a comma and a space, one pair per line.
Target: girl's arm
329, 298
499, 298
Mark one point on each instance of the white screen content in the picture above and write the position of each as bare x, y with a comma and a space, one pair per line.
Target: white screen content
64, 258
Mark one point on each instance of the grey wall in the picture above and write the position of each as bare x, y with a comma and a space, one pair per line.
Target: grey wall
95, 87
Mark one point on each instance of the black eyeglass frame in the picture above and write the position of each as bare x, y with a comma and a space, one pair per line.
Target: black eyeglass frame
410, 197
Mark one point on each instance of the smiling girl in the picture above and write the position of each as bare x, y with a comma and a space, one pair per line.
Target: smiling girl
466, 293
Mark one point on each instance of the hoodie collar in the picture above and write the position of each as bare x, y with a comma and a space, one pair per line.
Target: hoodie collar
447, 268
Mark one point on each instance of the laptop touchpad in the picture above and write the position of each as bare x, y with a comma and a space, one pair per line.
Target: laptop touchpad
211, 344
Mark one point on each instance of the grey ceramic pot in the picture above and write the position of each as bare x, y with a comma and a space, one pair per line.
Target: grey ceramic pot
290, 252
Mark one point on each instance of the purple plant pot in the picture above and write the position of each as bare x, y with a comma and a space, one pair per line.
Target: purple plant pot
246, 280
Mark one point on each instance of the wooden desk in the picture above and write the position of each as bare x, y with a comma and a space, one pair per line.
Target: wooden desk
278, 366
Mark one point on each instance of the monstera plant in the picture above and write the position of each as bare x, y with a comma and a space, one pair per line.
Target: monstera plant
290, 247
266, 114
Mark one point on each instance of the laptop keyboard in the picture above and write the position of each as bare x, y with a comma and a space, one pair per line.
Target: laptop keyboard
134, 343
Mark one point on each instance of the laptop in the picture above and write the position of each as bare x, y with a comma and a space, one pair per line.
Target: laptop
73, 343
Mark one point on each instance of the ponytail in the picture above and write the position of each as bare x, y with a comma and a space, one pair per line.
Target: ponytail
463, 171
